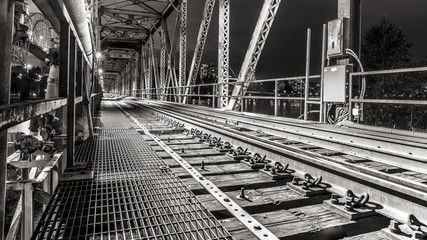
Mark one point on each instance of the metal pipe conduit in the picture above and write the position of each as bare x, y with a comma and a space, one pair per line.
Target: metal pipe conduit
77, 11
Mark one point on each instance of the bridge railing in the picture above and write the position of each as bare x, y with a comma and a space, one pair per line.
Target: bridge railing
391, 98
278, 96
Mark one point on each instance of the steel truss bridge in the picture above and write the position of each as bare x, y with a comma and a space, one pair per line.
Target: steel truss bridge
148, 152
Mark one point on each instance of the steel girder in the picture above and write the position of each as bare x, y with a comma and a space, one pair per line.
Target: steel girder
200, 45
141, 71
223, 50
127, 21
145, 7
154, 65
182, 47
147, 72
259, 37
162, 61
131, 12
170, 52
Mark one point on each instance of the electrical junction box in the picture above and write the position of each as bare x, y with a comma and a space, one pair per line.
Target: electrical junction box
335, 83
338, 37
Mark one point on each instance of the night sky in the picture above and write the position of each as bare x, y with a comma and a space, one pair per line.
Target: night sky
284, 52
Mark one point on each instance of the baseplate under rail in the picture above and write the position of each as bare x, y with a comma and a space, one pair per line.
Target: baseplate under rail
133, 195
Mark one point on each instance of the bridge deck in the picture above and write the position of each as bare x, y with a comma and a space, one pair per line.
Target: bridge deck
131, 196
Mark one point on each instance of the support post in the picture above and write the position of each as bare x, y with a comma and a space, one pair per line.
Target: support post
27, 208
64, 70
182, 48
80, 74
6, 21
307, 74
322, 74
276, 95
155, 70
351, 9
64, 60
71, 107
163, 61
223, 50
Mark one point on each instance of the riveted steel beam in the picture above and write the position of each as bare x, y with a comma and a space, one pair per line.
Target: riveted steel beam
147, 71
131, 12
154, 65
223, 50
182, 47
145, 6
259, 37
123, 20
163, 60
125, 29
200, 45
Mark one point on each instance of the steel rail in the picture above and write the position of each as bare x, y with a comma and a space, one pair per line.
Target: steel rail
260, 231
401, 153
398, 197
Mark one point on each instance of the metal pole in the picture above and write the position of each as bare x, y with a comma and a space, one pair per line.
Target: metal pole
213, 95
350, 96
322, 75
198, 93
276, 94
307, 73
27, 207
71, 107
6, 21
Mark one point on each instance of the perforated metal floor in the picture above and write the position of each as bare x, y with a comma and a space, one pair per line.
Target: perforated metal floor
131, 197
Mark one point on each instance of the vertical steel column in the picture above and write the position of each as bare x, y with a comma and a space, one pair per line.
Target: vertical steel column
71, 105
322, 74
155, 68
64, 71
6, 22
141, 65
80, 74
27, 208
162, 62
147, 78
200, 46
307, 74
182, 48
223, 51
276, 95
259, 37
131, 75
150, 72
64, 60
351, 9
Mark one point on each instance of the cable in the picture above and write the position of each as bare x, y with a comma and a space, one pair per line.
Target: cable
354, 55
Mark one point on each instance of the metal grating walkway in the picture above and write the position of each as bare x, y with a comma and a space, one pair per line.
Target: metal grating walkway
131, 197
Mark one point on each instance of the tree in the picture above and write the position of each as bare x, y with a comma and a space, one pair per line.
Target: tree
386, 47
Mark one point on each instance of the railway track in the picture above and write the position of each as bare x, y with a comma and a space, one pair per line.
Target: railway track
291, 189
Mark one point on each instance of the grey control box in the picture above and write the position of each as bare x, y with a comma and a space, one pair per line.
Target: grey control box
335, 83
